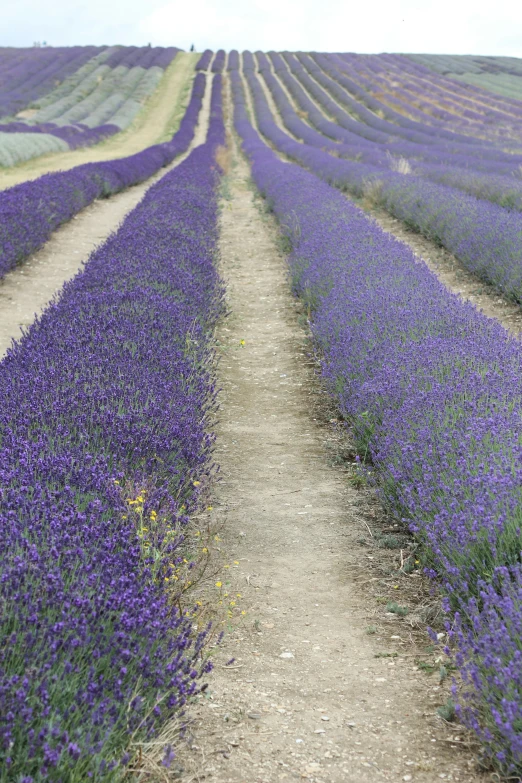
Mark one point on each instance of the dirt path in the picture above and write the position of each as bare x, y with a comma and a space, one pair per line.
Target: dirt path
27, 289
310, 694
156, 123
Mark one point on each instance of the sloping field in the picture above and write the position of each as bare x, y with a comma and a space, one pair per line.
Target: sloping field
501, 75
96, 101
153, 125
122, 117
341, 492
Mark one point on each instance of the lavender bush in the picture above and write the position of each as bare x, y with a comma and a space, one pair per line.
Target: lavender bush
31, 211
432, 389
103, 433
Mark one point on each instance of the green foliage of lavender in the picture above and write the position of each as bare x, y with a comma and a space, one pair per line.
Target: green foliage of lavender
18, 147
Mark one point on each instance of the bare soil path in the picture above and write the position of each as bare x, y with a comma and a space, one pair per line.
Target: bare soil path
310, 694
157, 122
27, 289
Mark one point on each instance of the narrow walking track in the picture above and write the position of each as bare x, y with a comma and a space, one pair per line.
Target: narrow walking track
306, 697
27, 289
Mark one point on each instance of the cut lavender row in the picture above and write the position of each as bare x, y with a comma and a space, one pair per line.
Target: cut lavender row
74, 135
142, 56
103, 433
433, 390
482, 235
97, 100
31, 211
27, 74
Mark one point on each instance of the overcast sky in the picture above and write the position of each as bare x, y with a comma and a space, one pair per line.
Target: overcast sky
430, 26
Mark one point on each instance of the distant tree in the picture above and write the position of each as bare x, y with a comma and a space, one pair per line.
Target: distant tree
191, 47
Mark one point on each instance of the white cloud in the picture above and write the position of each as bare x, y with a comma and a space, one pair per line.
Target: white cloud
433, 26
436, 26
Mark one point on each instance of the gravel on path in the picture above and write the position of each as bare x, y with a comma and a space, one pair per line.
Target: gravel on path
309, 695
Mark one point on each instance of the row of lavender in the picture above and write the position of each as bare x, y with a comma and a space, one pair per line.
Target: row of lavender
95, 101
321, 72
206, 58
399, 87
494, 177
27, 74
31, 211
433, 391
104, 439
376, 141
484, 236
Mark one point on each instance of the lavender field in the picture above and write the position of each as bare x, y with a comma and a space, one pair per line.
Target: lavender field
114, 398
57, 100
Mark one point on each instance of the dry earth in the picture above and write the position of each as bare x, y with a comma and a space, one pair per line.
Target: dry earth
310, 694
27, 289
157, 122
